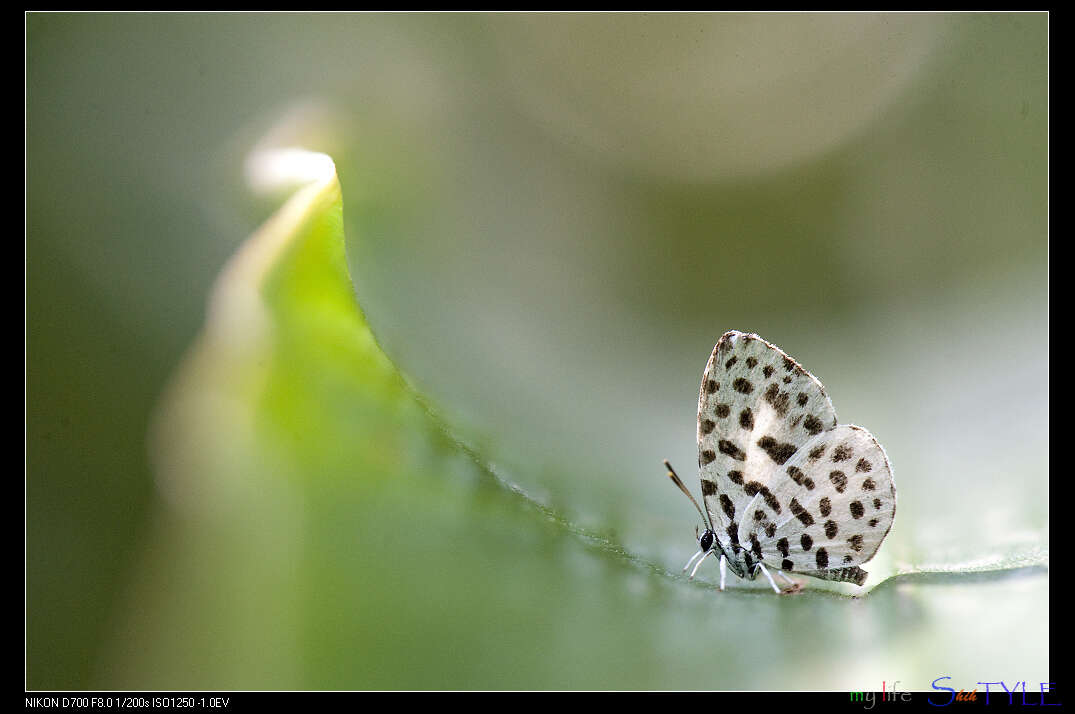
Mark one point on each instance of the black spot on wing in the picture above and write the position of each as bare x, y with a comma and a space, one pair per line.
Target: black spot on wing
755, 546
742, 386
801, 513
777, 399
813, 426
728, 448
838, 480
770, 500
733, 533
854, 574
782, 546
746, 419
800, 478
709, 488
777, 451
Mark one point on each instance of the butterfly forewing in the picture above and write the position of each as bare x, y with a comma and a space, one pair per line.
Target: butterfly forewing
756, 409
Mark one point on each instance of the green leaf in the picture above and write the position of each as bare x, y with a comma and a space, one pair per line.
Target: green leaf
321, 527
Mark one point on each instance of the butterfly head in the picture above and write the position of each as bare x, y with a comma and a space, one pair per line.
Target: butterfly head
706, 540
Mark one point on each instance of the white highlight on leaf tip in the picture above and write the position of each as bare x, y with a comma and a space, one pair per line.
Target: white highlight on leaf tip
280, 168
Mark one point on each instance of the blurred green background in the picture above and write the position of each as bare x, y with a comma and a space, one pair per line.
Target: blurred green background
550, 220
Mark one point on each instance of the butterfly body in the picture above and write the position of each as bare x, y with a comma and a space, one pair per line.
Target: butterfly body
783, 484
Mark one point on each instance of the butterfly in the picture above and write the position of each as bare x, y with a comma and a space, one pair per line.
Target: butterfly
784, 486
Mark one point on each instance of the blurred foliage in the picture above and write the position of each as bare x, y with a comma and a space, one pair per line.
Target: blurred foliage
531, 259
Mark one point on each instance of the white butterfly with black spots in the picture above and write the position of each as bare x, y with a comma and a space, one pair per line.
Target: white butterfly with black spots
784, 486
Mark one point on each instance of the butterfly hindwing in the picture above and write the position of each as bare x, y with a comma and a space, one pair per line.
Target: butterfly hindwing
841, 501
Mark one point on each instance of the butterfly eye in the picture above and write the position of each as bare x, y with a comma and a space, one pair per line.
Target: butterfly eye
706, 541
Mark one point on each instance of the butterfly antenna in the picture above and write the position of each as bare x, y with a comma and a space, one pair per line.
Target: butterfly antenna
675, 479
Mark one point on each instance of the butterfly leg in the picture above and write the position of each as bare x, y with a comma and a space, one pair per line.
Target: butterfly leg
723, 569
765, 571
795, 586
699, 563
691, 561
